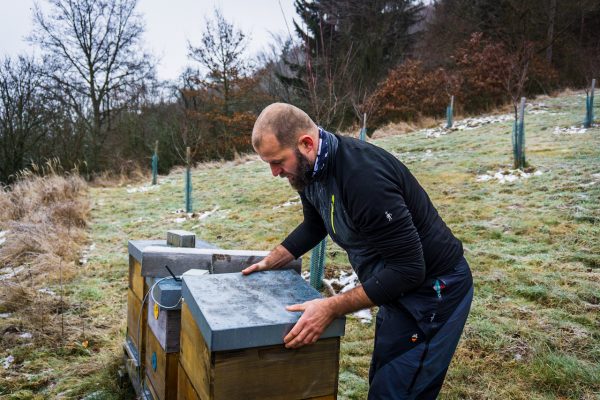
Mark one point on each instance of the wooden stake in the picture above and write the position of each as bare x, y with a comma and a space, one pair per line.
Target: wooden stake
155, 164
188, 180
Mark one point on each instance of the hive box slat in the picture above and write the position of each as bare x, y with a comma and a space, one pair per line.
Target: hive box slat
161, 369
137, 282
136, 331
185, 390
277, 372
194, 355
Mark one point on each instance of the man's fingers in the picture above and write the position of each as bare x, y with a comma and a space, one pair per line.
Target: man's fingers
298, 341
296, 307
294, 332
250, 269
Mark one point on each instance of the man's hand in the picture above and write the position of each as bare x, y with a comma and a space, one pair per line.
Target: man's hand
317, 315
277, 258
259, 266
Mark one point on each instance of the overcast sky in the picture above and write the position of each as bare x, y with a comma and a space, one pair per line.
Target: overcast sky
169, 25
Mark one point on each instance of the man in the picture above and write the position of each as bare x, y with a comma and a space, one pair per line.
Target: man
408, 262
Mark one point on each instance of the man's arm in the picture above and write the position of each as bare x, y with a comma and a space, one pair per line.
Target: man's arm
318, 314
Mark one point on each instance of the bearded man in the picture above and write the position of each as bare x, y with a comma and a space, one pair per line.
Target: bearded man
408, 261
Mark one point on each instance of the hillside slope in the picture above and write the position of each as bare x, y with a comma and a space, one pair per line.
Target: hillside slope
533, 242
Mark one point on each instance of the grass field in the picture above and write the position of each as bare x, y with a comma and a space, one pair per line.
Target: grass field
533, 245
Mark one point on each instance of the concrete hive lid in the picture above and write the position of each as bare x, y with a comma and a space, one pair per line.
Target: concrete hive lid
234, 311
136, 247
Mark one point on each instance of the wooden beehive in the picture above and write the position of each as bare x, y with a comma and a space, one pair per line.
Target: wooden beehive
139, 283
152, 339
232, 330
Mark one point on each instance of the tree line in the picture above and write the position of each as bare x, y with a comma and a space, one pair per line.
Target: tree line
92, 99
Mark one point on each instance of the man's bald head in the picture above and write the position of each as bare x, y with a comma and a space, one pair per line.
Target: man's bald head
286, 122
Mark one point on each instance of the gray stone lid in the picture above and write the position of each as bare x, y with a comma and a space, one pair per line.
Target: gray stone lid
234, 311
136, 247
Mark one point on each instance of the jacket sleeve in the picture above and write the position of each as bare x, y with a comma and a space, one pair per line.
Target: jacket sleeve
378, 209
308, 234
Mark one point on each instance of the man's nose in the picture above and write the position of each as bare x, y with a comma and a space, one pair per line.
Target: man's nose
276, 170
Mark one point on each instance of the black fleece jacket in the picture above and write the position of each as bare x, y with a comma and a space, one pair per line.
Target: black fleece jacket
374, 208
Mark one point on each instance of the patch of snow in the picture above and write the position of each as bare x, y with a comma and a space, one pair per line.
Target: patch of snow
141, 189
291, 202
8, 361
364, 316
13, 272
5, 315
508, 175
47, 291
26, 335
572, 130
86, 253
3, 236
179, 220
207, 214
467, 124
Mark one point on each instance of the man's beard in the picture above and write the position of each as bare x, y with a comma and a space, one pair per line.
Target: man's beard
303, 175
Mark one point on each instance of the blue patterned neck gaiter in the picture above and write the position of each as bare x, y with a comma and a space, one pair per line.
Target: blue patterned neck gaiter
322, 153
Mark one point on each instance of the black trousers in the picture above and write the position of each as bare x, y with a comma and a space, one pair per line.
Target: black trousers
410, 357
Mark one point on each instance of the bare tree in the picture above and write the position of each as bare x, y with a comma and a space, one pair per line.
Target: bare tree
92, 48
221, 52
22, 115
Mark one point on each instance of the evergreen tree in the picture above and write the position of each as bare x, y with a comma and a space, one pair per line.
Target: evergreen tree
346, 48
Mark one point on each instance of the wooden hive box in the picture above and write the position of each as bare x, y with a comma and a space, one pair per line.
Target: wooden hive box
137, 305
232, 330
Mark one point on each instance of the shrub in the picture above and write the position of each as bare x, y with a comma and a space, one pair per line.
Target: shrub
409, 92
482, 65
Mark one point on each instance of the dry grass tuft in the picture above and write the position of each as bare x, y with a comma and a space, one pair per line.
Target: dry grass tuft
43, 219
130, 172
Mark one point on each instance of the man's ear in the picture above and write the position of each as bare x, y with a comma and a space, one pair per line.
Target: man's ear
306, 143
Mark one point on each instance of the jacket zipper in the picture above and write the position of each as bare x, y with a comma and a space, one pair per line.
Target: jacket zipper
332, 212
